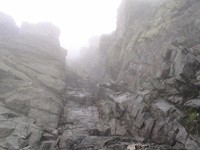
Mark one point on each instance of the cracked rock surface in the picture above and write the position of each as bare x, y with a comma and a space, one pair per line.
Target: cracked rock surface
152, 99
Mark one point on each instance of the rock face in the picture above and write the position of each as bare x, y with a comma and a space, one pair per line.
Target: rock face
146, 33
154, 55
152, 114
152, 59
31, 83
88, 123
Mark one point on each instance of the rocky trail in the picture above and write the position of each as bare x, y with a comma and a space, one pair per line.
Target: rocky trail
80, 127
141, 91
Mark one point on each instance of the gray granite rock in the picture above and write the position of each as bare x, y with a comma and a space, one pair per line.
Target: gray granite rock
32, 80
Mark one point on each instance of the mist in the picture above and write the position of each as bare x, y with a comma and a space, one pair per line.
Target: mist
78, 20
130, 79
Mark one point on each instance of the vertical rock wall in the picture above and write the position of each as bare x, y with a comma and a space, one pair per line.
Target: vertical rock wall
145, 32
155, 51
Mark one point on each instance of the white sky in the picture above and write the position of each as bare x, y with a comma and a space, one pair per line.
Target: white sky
78, 20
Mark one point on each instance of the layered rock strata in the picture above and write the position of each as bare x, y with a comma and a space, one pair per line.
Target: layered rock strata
146, 32
32, 67
154, 55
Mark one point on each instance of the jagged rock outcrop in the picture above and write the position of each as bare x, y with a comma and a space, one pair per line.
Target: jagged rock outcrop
144, 35
152, 114
32, 67
153, 58
154, 53
82, 126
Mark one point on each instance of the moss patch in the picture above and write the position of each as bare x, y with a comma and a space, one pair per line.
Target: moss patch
192, 121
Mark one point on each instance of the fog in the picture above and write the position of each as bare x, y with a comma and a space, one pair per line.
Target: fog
78, 20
